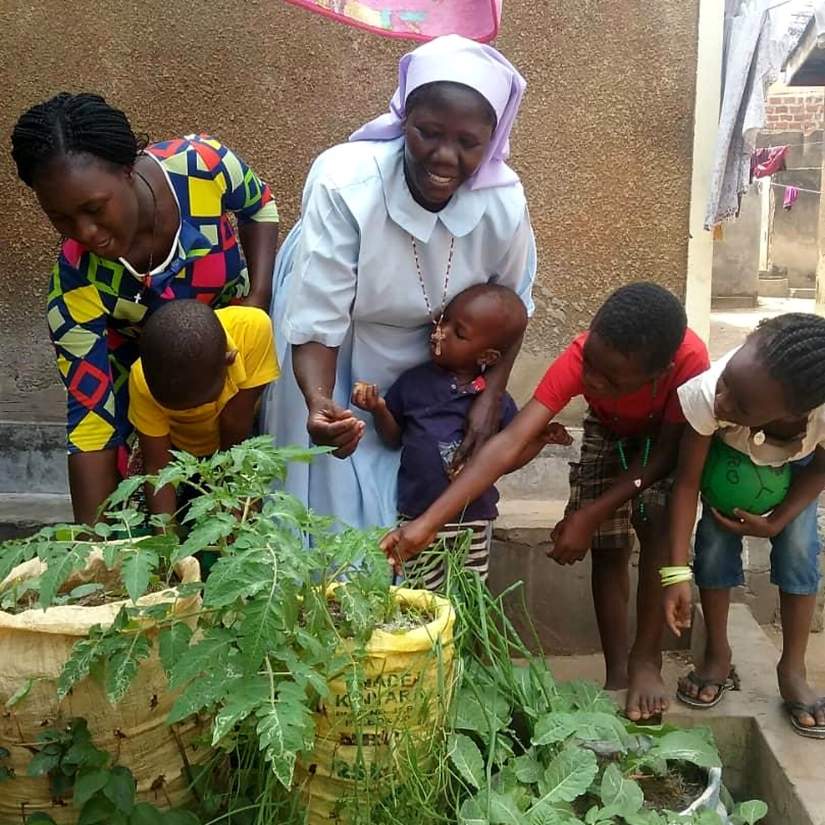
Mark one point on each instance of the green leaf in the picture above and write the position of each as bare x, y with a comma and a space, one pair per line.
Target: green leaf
173, 642
122, 665
465, 755
554, 727
240, 703
686, 746
750, 812
120, 789
178, 817
42, 763
262, 628
89, 782
483, 711
622, 795
568, 776
472, 813
202, 657
61, 564
645, 818
39, 818
124, 491
145, 814
504, 811
707, 817
136, 571
237, 576
83, 590
284, 728
20, 694
206, 536
528, 769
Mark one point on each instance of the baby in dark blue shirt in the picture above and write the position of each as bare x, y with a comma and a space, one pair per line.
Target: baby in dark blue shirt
425, 410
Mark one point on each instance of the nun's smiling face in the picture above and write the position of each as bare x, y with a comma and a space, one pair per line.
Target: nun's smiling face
447, 131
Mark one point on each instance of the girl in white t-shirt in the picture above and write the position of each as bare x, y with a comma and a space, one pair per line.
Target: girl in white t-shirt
766, 399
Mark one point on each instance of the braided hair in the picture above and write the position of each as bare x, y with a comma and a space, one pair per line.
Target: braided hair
792, 347
66, 124
642, 319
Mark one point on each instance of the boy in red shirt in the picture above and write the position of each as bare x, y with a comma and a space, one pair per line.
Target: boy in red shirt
628, 367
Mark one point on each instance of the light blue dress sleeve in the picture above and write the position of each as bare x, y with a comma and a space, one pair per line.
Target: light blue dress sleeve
517, 269
323, 281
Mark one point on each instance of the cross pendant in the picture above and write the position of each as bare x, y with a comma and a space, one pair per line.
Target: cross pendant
438, 336
137, 298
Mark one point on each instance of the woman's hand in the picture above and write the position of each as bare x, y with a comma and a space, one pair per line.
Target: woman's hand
483, 422
677, 603
330, 425
407, 541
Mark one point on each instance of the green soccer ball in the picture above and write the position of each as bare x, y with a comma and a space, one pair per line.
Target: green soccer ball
731, 481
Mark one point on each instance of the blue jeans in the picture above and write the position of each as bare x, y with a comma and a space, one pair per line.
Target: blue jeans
794, 555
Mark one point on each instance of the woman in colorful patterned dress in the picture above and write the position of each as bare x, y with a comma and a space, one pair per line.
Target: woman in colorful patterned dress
142, 225
418, 206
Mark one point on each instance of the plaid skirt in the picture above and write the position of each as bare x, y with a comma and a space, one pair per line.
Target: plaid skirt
597, 469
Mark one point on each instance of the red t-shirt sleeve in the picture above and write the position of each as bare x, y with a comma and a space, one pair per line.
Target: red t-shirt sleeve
563, 379
692, 359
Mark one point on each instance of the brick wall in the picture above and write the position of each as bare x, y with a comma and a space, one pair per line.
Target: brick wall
798, 109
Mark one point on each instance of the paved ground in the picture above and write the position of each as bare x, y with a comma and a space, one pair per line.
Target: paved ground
728, 328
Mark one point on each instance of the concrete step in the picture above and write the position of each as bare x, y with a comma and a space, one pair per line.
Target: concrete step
808, 293
24, 513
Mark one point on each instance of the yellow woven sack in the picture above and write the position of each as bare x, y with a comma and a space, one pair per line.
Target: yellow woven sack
404, 700
34, 645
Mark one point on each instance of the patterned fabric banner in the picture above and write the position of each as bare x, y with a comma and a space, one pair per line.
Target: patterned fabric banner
414, 19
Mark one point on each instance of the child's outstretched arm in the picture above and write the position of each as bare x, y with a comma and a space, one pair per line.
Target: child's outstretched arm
693, 451
157, 453
808, 483
573, 536
500, 455
366, 397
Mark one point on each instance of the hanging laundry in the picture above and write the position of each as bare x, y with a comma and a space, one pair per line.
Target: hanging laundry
768, 161
791, 194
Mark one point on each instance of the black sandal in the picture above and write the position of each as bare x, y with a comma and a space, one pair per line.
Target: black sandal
731, 683
795, 709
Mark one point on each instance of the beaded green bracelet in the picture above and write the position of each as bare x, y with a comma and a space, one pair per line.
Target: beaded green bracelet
675, 575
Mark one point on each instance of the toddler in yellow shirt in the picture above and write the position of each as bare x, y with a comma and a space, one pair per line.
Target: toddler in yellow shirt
197, 383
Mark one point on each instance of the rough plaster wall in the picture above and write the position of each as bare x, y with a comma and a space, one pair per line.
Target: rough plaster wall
604, 143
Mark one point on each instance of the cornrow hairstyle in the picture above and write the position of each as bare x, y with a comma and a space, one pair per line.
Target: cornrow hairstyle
66, 124
642, 319
433, 93
182, 349
792, 347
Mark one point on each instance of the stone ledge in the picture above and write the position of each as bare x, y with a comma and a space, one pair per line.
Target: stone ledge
21, 514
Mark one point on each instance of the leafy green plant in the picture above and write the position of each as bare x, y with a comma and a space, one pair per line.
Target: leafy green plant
100, 790
290, 603
285, 594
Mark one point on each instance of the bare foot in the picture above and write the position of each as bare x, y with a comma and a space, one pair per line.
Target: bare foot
794, 687
715, 669
647, 696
